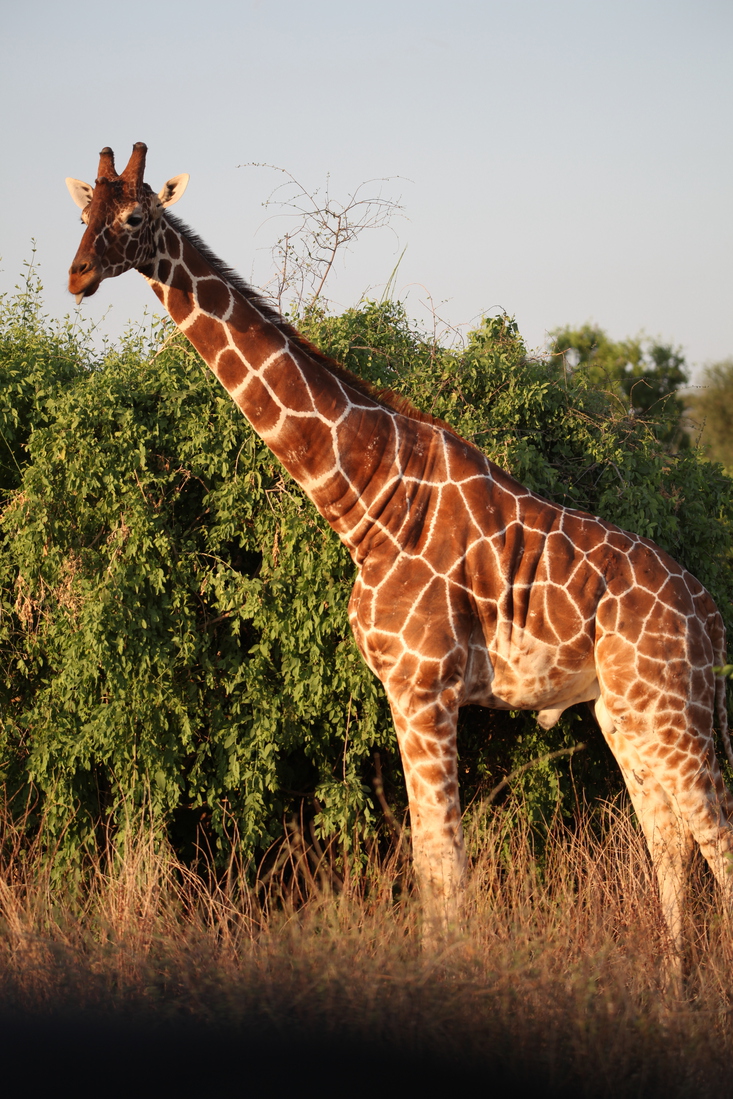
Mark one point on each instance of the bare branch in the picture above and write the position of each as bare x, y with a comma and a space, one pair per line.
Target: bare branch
320, 227
528, 766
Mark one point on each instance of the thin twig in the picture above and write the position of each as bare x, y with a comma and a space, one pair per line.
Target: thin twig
528, 766
393, 824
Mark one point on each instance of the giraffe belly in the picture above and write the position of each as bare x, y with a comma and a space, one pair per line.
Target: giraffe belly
550, 704
524, 673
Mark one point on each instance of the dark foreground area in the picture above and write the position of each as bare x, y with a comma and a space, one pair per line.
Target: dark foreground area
317, 1038
143, 978
123, 1056
138, 1055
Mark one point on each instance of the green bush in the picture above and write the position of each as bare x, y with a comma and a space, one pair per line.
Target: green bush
174, 633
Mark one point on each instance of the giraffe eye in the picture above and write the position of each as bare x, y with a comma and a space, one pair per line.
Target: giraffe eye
134, 220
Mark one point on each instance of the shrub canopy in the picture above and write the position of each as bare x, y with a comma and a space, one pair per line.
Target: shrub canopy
174, 631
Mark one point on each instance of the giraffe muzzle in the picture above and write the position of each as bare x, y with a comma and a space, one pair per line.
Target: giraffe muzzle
84, 279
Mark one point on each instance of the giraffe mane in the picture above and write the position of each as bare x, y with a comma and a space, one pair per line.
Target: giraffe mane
386, 397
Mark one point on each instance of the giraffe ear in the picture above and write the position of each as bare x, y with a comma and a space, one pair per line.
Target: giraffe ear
173, 189
81, 193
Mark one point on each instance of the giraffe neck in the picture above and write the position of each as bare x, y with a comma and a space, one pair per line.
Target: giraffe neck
323, 424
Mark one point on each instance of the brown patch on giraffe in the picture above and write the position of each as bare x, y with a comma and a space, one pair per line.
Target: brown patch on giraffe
157, 288
587, 531
560, 558
375, 448
674, 758
300, 440
675, 595
172, 243
287, 385
678, 670
328, 402
667, 735
635, 611
647, 568
668, 625
619, 540
213, 296
368, 494
614, 659
414, 749
403, 675
180, 296
208, 336
609, 616
479, 505
641, 695
434, 773
453, 814
250, 340
686, 742
700, 713
575, 657
562, 614
231, 371
443, 546
263, 412
510, 544
196, 263
336, 500
690, 770
674, 703
163, 271
650, 669
702, 598
429, 638
536, 518
244, 319
482, 570
407, 575
468, 461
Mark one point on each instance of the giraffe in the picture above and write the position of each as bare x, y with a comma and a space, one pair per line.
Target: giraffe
469, 587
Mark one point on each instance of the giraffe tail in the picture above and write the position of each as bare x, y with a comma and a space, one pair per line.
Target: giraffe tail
721, 694
722, 701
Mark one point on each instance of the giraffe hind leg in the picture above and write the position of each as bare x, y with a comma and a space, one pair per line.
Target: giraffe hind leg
676, 808
667, 835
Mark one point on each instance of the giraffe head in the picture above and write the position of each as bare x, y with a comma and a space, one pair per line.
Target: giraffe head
121, 214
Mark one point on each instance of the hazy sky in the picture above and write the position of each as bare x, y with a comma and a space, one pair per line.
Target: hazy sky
565, 160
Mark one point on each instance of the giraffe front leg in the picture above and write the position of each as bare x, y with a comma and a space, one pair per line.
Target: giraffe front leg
426, 734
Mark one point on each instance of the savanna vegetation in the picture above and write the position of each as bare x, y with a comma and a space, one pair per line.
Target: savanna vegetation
174, 632
204, 812
711, 408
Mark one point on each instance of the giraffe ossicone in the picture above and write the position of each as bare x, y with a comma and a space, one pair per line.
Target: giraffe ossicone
470, 588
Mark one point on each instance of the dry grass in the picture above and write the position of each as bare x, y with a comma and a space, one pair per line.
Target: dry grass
555, 982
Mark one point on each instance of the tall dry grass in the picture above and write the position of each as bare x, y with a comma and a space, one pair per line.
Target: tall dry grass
556, 979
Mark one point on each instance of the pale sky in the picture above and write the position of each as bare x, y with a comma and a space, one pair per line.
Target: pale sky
563, 160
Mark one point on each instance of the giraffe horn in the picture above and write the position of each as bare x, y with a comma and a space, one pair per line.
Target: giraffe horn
106, 164
135, 169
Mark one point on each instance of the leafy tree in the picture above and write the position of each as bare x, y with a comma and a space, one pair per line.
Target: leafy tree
174, 631
38, 360
712, 408
644, 374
